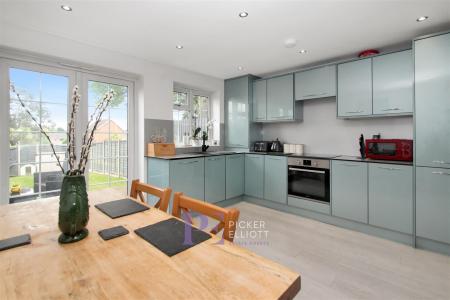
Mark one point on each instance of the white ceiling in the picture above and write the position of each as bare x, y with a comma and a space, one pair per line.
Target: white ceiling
216, 41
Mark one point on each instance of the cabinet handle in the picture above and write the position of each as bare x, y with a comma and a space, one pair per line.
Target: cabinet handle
274, 158
189, 162
354, 112
233, 157
315, 95
347, 165
441, 173
236, 145
390, 169
391, 109
441, 162
280, 117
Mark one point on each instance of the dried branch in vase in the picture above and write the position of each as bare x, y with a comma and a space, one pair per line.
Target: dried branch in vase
88, 136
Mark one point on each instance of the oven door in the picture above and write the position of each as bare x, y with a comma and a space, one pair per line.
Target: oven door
311, 183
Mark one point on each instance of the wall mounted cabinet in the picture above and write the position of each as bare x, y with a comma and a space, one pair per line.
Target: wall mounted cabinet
315, 83
393, 78
273, 100
378, 86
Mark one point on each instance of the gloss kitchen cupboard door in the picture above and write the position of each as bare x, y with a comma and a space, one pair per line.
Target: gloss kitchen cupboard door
254, 175
235, 168
349, 190
214, 179
391, 197
433, 204
280, 98
188, 176
275, 178
393, 77
315, 83
259, 100
432, 101
355, 88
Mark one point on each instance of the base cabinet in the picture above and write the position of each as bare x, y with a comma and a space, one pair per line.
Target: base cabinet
188, 176
391, 197
214, 179
235, 170
275, 179
349, 190
433, 204
254, 175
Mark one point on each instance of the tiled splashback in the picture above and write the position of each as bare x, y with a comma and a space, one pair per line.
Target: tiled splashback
157, 126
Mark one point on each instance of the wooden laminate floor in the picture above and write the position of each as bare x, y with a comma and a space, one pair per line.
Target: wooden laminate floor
337, 263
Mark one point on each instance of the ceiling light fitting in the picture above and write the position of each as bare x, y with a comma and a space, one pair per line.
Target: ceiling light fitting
66, 7
179, 47
303, 51
422, 18
243, 14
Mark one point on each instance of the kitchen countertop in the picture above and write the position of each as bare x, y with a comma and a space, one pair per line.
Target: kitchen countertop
379, 161
337, 157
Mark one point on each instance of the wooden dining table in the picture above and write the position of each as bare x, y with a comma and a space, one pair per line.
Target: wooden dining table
127, 267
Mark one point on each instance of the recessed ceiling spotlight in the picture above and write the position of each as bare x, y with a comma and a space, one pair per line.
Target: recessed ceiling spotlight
422, 18
243, 14
240, 68
66, 7
179, 47
303, 51
290, 43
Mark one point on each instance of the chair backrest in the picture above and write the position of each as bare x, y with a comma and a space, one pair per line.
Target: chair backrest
138, 189
227, 217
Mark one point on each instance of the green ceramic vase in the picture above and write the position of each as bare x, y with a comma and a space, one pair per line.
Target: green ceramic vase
73, 209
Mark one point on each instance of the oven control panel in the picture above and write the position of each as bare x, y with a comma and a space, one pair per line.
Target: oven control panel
313, 163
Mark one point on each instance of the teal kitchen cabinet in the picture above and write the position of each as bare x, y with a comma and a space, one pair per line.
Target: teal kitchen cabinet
188, 176
355, 88
254, 175
275, 178
433, 204
157, 175
315, 83
280, 98
235, 169
432, 101
349, 190
391, 197
393, 78
214, 179
259, 100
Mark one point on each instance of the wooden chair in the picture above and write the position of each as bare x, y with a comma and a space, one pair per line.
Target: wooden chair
138, 189
227, 217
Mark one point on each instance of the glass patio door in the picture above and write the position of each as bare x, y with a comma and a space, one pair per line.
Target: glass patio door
33, 169
108, 163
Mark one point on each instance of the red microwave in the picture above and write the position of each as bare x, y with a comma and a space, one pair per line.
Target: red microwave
394, 149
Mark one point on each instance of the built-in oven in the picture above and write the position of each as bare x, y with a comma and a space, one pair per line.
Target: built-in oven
309, 179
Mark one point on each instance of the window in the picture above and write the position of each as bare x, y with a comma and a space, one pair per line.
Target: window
30, 165
191, 116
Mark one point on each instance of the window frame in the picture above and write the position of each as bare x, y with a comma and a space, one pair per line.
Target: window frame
191, 92
77, 75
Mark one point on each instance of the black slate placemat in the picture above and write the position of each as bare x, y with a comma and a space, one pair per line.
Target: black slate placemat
113, 232
119, 208
172, 236
16, 241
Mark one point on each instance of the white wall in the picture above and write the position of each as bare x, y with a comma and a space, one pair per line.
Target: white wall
323, 133
155, 84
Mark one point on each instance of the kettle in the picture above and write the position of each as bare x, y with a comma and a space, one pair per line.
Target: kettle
276, 146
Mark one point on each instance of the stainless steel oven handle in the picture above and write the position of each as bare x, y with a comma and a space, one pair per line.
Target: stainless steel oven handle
307, 170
